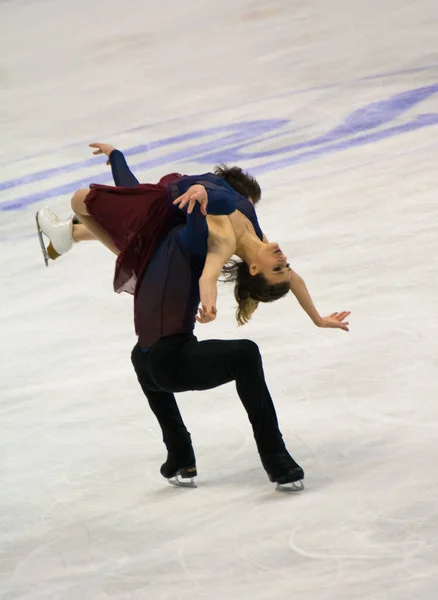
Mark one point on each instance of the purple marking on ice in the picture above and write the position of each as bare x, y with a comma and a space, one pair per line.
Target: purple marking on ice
241, 135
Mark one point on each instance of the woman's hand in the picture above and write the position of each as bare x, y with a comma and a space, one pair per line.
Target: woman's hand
102, 149
335, 321
208, 297
206, 314
195, 193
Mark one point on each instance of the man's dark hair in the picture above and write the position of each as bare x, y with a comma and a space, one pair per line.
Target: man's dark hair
242, 182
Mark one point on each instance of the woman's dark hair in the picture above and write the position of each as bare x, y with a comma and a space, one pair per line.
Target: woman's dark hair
242, 182
251, 289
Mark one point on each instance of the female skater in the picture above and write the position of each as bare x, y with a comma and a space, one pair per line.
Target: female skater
120, 217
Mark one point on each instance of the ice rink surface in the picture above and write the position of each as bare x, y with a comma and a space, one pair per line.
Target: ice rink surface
333, 104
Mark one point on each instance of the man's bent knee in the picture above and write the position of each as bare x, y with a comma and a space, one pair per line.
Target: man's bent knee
247, 350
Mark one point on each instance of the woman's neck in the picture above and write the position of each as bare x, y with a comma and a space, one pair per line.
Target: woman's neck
248, 246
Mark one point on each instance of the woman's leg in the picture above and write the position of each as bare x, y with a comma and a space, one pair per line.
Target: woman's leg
81, 234
80, 209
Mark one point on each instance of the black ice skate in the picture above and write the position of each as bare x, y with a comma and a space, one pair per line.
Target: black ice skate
180, 469
284, 471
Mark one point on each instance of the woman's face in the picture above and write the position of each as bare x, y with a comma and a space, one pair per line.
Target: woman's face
271, 263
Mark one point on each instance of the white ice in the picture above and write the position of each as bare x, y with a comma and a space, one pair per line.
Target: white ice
84, 512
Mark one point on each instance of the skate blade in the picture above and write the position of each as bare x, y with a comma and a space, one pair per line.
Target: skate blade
294, 486
177, 481
40, 237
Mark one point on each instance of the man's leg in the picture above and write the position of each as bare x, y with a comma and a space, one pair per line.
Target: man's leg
194, 365
163, 404
205, 365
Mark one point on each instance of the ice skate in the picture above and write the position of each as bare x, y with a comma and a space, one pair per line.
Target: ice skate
284, 471
58, 232
44, 250
180, 470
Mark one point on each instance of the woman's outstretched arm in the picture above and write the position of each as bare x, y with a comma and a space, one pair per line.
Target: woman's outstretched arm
299, 290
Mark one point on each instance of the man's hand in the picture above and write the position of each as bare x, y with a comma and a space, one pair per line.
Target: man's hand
335, 321
195, 193
102, 149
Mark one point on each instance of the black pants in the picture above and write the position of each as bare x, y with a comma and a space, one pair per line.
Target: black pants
180, 363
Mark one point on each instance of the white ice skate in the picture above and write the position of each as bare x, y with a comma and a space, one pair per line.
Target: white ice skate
60, 233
